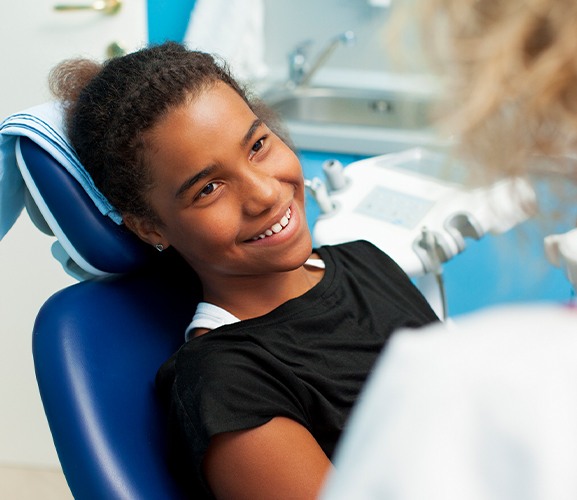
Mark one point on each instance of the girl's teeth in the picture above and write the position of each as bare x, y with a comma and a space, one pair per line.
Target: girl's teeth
276, 228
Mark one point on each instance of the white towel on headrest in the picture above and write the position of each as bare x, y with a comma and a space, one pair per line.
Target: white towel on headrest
44, 125
233, 29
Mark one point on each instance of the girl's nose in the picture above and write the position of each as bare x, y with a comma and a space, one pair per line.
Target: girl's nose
260, 192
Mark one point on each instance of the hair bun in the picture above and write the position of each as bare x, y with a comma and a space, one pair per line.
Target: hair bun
70, 77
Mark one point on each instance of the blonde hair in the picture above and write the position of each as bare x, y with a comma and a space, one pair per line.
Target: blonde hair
510, 69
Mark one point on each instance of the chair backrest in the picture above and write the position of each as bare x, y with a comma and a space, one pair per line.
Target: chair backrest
98, 344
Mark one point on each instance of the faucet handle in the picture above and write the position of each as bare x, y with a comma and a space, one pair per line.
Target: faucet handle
302, 48
347, 37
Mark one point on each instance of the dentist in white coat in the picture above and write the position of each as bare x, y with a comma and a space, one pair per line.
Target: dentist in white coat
485, 408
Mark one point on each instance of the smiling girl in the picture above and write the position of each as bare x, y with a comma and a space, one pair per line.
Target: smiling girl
285, 336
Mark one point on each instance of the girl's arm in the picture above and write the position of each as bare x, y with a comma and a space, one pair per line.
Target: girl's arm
279, 459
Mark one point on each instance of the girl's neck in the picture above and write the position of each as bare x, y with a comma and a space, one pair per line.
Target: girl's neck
251, 296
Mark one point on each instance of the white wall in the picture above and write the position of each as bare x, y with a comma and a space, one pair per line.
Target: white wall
28, 272
28, 276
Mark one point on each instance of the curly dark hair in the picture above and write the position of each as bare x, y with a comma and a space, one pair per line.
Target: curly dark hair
109, 106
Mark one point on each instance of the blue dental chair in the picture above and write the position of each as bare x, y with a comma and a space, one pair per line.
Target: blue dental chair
98, 344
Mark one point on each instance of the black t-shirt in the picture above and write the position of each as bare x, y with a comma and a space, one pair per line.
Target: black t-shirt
306, 360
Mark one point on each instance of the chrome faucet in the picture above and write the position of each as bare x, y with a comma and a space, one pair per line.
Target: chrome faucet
300, 71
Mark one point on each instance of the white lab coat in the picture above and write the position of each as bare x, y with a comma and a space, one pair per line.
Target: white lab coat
483, 409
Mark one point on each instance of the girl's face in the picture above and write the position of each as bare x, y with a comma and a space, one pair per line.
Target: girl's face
222, 181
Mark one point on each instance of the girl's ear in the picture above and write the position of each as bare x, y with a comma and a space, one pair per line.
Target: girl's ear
146, 230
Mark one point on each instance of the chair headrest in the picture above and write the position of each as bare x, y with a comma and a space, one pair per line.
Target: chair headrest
89, 243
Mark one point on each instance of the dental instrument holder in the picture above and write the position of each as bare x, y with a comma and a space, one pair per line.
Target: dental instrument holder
301, 71
420, 220
319, 192
335, 175
561, 251
434, 291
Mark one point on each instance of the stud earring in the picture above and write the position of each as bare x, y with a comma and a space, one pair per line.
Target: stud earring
159, 247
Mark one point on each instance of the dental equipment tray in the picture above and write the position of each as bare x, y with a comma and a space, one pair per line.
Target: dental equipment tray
404, 204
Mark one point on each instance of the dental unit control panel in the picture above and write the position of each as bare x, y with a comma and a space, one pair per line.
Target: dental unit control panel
402, 203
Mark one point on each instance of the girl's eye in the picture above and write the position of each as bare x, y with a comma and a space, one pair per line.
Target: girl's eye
257, 146
208, 189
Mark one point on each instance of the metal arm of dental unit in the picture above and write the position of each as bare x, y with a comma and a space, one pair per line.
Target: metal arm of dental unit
418, 219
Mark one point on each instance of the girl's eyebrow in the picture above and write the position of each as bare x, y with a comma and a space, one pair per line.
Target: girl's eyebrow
189, 183
252, 129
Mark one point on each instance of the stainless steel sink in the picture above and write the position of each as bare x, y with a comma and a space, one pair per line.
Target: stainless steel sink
352, 107
353, 121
